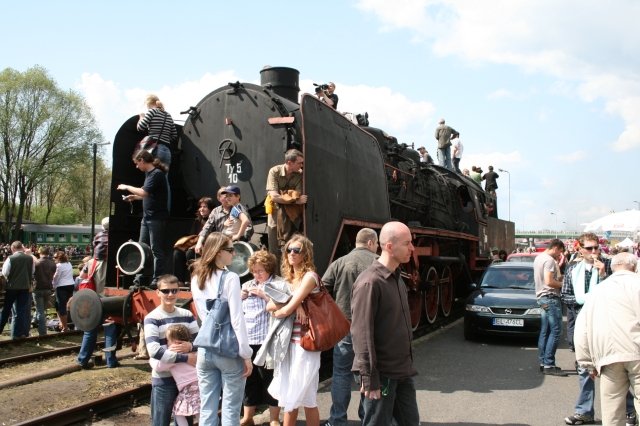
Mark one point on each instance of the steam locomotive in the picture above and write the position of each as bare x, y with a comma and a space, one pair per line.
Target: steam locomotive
354, 175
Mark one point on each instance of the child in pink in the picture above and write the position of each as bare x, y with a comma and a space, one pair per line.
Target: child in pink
187, 402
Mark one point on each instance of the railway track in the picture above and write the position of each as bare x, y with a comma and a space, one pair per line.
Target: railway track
85, 412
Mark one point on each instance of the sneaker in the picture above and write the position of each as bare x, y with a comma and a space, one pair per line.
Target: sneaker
579, 419
541, 368
631, 419
555, 371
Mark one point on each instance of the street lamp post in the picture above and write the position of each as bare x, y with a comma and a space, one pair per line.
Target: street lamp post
509, 189
556, 216
93, 192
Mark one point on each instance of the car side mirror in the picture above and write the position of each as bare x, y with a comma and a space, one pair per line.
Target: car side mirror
473, 286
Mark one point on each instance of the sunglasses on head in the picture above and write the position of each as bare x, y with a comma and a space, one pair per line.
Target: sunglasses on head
228, 249
168, 290
295, 250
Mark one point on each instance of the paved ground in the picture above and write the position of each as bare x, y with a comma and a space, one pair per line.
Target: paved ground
492, 382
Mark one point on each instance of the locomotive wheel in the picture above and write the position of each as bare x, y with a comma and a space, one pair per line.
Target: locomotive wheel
431, 295
415, 308
446, 291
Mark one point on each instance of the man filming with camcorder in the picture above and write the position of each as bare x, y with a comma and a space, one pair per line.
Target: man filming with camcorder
324, 92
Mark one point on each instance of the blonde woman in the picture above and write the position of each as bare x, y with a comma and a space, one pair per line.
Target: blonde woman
295, 379
217, 372
159, 125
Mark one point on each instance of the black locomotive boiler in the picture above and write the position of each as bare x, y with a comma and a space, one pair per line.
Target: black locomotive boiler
355, 176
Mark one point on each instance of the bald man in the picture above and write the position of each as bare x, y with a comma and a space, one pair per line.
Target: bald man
381, 333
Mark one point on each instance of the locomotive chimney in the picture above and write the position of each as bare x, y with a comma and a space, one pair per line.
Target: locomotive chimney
283, 81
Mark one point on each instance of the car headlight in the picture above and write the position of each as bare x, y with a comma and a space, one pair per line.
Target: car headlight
534, 311
477, 308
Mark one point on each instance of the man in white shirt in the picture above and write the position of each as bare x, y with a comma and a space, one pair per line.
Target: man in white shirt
457, 152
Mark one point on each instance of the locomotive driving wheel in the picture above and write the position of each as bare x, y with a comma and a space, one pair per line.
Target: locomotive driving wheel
431, 295
415, 308
446, 291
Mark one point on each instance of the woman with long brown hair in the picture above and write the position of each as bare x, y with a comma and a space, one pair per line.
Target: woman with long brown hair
153, 194
295, 381
216, 372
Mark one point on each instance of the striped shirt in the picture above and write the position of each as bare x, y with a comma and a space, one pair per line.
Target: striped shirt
155, 328
255, 314
152, 123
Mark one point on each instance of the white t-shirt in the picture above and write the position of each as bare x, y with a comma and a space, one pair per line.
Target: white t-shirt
457, 148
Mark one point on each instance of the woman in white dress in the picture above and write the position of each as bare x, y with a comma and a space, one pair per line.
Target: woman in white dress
295, 381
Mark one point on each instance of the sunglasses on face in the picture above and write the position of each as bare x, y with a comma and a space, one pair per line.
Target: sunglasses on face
591, 248
228, 249
168, 290
295, 250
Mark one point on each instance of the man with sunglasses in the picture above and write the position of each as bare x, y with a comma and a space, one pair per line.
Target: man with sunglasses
164, 389
581, 278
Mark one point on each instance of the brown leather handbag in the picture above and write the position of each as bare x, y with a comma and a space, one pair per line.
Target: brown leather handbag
327, 323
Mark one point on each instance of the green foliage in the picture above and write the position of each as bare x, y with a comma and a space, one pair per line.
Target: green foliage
44, 132
59, 215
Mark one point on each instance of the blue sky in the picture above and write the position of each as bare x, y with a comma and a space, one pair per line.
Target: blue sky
548, 90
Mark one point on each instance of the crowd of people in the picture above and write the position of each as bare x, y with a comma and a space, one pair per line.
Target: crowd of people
600, 295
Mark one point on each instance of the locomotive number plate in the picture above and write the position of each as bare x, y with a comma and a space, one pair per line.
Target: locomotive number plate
509, 322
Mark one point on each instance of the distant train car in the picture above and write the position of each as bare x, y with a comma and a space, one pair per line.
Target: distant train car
355, 176
57, 235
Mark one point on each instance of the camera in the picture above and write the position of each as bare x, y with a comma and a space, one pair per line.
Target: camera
321, 87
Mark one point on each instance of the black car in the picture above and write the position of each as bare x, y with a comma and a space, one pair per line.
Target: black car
504, 303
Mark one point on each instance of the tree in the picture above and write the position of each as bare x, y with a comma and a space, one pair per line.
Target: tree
43, 131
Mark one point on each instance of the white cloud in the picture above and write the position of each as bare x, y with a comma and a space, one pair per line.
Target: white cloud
586, 44
571, 157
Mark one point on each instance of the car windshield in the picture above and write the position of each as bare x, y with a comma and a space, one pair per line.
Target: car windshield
518, 278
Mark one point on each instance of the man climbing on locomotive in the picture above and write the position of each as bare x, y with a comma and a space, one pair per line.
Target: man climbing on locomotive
284, 188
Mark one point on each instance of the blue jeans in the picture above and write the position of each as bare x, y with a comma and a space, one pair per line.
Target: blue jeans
550, 329
399, 404
163, 153
152, 233
163, 396
20, 302
41, 300
89, 339
572, 314
341, 382
217, 373
444, 157
587, 393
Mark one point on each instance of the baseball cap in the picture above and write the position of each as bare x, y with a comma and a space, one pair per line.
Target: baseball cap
231, 189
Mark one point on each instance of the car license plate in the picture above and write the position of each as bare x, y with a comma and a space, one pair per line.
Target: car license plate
509, 322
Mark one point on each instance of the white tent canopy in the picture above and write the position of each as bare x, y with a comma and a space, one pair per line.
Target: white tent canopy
626, 243
626, 221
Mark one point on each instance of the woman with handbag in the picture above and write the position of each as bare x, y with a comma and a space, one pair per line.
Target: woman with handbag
211, 282
295, 379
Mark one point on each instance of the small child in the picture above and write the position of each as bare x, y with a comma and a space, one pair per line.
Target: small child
238, 221
187, 402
